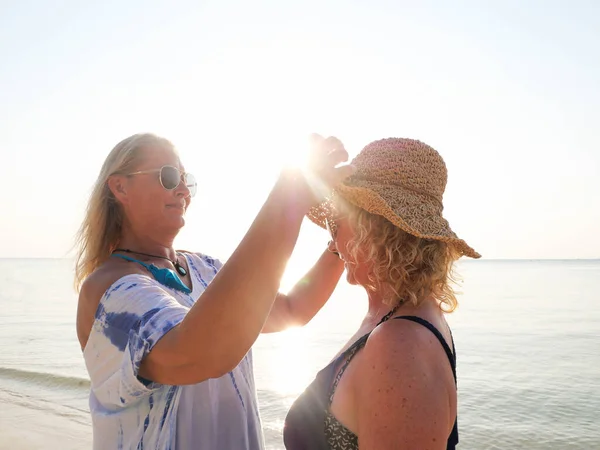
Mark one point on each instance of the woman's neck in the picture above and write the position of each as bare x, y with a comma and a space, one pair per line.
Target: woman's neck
379, 308
146, 243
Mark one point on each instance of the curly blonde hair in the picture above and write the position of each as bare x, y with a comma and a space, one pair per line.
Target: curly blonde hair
409, 267
100, 230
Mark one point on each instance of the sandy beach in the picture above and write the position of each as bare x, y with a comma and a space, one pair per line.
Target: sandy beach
26, 428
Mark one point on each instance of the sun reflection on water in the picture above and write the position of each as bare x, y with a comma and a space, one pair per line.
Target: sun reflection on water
283, 362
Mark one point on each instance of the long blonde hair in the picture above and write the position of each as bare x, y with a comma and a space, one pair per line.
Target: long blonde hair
100, 230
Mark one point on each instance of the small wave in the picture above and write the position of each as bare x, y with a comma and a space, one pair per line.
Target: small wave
44, 379
40, 404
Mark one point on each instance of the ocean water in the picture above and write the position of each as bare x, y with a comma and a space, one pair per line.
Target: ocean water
527, 335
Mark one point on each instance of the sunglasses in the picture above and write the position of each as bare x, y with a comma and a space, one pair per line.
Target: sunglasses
170, 177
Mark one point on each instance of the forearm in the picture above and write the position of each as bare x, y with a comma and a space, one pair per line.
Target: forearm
308, 295
231, 312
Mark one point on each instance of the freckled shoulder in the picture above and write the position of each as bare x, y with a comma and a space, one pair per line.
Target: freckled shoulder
401, 348
402, 390
399, 339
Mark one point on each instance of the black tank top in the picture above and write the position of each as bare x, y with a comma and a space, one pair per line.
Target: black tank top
310, 426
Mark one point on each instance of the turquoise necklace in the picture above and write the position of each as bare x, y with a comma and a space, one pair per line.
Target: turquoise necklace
166, 277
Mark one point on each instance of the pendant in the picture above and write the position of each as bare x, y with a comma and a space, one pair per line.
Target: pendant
180, 269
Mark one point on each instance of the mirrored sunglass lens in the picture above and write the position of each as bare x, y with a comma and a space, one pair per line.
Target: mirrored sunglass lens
169, 177
190, 182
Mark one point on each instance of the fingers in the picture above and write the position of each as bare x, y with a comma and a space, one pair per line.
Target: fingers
326, 152
333, 143
337, 156
339, 174
323, 172
319, 144
316, 142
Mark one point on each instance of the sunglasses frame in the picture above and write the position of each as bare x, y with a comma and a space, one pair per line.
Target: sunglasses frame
182, 176
332, 226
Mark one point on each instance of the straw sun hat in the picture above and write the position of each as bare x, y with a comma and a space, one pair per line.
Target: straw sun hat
402, 180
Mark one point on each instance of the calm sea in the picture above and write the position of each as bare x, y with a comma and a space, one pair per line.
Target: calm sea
527, 335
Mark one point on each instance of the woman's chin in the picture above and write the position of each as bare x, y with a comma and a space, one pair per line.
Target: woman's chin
350, 278
175, 218
354, 277
174, 223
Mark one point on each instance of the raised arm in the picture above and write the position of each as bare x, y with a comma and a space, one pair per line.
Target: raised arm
226, 320
307, 296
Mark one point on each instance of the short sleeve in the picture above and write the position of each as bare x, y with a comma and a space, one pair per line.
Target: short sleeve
214, 263
203, 268
133, 315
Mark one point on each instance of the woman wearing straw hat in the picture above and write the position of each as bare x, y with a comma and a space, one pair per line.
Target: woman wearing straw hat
393, 386
166, 335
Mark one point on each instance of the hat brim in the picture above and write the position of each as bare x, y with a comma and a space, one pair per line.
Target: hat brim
410, 211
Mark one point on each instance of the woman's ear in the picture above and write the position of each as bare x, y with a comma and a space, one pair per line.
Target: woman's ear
118, 186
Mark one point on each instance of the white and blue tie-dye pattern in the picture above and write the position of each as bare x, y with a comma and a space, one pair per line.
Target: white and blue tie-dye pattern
131, 413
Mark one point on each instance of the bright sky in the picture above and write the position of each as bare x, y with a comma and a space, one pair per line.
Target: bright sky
507, 91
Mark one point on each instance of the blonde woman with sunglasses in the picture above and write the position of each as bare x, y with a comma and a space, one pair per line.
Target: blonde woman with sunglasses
166, 335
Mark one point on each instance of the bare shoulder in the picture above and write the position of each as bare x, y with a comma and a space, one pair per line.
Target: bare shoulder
404, 389
401, 333
406, 343
92, 290
94, 286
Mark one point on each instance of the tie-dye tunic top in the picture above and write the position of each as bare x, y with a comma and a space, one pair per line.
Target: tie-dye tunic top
129, 412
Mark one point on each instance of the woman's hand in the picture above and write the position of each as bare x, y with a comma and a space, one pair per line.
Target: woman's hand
322, 173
